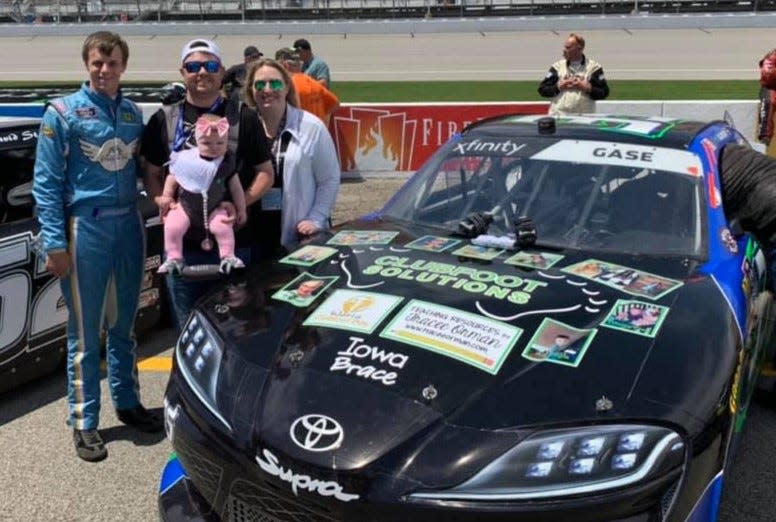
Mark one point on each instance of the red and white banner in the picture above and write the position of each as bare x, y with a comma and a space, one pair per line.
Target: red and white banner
400, 137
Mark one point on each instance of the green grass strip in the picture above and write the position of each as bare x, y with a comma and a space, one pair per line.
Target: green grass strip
488, 91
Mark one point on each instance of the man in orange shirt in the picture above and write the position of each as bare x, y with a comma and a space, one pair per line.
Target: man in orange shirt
313, 96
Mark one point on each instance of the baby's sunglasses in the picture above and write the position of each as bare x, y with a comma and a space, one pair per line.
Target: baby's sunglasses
194, 66
274, 84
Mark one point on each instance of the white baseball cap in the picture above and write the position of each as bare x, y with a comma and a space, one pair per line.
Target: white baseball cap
200, 45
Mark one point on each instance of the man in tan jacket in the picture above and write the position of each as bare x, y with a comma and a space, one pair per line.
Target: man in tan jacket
575, 82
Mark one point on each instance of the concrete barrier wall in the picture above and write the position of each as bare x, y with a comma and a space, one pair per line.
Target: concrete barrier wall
447, 118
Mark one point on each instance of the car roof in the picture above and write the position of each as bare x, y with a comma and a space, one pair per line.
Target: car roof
660, 131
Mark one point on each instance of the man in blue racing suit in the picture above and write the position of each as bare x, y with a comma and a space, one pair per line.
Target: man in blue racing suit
85, 188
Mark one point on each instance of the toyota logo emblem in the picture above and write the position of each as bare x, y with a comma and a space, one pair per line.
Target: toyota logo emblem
317, 433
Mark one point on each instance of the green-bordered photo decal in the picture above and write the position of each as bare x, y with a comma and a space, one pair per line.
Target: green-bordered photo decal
309, 255
478, 252
304, 289
536, 260
636, 317
559, 343
433, 243
362, 237
623, 278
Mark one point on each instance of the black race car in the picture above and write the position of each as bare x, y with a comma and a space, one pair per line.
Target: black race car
552, 320
33, 315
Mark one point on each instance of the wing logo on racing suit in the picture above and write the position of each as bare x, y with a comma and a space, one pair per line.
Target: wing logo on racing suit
113, 155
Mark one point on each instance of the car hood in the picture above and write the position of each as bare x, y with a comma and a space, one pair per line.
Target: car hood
403, 341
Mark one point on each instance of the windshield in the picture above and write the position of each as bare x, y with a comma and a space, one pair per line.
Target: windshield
624, 198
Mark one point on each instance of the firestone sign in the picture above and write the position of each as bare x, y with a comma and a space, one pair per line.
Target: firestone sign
402, 137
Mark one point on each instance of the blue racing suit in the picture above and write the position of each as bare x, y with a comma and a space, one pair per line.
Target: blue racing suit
85, 188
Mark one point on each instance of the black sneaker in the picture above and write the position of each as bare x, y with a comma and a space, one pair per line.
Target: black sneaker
141, 419
89, 445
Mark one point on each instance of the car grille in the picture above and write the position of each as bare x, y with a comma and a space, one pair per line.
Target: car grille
250, 502
205, 473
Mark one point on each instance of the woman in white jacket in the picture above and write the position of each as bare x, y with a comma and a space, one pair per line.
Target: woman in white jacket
307, 171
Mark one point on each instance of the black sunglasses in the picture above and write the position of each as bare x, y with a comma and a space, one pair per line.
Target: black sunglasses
211, 66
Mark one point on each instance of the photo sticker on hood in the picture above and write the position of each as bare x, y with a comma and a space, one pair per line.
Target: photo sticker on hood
433, 243
537, 260
628, 280
309, 255
559, 343
636, 317
362, 237
304, 289
478, 252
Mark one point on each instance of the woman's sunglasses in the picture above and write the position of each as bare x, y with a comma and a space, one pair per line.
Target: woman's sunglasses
274, 84
210, 66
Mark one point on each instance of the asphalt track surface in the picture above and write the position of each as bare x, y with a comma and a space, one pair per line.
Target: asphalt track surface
41, 479
625, 54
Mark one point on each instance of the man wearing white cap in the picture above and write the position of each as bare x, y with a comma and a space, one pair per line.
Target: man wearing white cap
171, 128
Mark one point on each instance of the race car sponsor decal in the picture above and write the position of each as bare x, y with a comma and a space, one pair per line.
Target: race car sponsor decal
353, 310
433, 243
148, 298
653, 127
309, 255
628, 280
369, 362
478, 252
362, 237
753, 267
466, 337
636, 317
148, 280
728, 241
622, 154
559, 343
503, 147
14, 138
32, 311
270, 464
516, 290
534, 259
304, 289
710, 151
153, 262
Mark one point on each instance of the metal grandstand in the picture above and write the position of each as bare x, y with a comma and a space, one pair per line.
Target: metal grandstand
53, 11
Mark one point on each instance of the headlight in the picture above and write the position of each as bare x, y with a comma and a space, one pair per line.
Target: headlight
199, 355
571, 462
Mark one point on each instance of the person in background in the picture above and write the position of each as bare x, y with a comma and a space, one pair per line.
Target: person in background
767, 107
234, 77
574, 83
85, 188
307, 173
312, 65
313, 96
171, 129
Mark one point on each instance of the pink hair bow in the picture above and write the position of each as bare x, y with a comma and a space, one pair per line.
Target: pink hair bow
205, 127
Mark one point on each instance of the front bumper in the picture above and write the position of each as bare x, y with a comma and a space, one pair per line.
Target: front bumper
214, 476
179, 499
